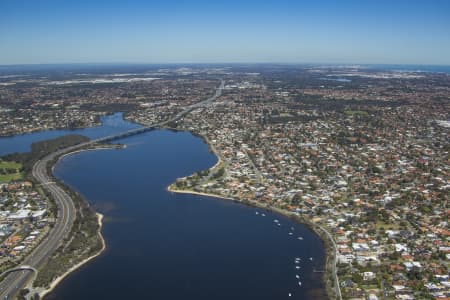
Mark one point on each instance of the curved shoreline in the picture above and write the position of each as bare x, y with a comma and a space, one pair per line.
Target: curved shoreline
60, 278
43, 292
321, 232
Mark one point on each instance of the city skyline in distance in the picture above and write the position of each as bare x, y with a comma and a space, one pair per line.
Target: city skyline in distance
348, 32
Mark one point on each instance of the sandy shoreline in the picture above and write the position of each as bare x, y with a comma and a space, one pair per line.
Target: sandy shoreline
56, 281
169, 189
324, 235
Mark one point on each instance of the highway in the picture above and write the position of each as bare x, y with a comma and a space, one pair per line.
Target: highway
66, 215
66, 212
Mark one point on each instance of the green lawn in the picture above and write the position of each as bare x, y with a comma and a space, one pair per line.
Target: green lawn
9, 165
9, 176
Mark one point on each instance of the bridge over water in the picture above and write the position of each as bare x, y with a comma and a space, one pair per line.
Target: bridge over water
123, 134
140, 130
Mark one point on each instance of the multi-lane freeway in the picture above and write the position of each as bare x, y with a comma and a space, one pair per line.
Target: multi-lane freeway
66, 211
66, 214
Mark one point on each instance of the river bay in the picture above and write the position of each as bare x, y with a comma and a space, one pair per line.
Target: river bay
161, 245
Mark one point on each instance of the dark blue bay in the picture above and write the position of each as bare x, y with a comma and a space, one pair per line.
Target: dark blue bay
169, 246
162, 245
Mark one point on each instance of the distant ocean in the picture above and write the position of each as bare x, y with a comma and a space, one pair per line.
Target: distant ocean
412, 68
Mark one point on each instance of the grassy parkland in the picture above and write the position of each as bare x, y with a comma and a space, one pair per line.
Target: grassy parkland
10, 171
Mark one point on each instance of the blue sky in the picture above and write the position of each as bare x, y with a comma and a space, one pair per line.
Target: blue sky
314, 31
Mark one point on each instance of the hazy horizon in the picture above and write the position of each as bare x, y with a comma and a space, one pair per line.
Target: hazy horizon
220, 64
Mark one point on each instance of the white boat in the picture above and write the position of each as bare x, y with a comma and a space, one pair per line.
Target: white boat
276, 221
300, 238
297, 276
290, 233
290, 295
300, 283
297, 267
310, 258
263, 215
256, 213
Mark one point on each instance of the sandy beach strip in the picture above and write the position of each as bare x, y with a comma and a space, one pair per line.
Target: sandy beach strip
57, 280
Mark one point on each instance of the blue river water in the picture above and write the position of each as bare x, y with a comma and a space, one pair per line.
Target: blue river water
21, 143
162, 245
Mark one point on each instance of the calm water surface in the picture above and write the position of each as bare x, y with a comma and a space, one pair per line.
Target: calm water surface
21, 143
169, 246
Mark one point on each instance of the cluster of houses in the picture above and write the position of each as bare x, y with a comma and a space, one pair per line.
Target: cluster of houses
378, 179
23, 220
32, 104
32, 119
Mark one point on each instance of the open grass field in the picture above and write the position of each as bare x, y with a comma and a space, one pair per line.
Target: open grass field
10, 171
